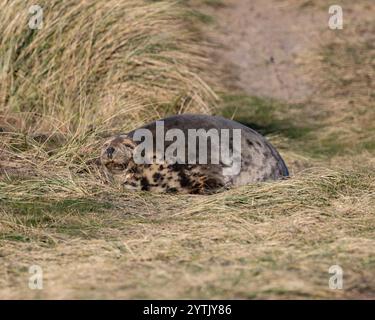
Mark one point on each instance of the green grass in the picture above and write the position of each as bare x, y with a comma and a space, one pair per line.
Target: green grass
67, 216
63, 206
265, 115
290, 121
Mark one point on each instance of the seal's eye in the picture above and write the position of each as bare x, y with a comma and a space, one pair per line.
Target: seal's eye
110, 152
119, 166
115, 167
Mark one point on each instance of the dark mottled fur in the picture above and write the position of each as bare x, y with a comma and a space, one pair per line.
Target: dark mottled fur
259, 160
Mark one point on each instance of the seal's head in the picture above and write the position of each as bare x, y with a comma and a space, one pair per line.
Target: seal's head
116, 153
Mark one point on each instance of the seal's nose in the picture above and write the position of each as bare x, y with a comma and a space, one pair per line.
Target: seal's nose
110, 151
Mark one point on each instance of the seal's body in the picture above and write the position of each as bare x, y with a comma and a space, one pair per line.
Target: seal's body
225, 153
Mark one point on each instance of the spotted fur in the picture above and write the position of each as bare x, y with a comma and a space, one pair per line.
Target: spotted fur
259, 161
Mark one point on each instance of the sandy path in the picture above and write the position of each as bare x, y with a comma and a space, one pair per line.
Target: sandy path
264, 43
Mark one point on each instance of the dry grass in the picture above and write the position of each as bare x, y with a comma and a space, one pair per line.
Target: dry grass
99, 61
262, 241
79, 79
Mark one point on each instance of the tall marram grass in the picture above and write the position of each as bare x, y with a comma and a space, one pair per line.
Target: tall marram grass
111, 62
